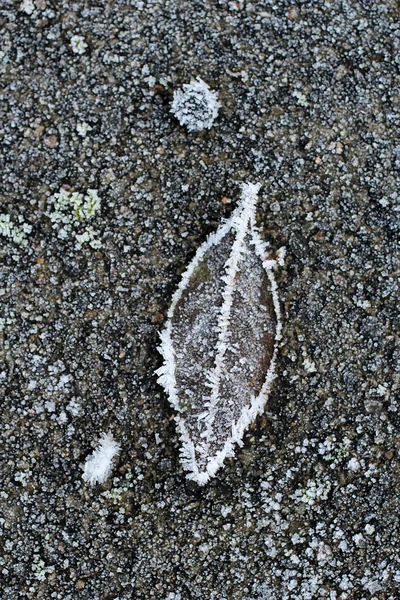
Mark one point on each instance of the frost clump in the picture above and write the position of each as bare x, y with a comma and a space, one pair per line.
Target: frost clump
196, 106
313, 492
70, 211
12, 231
78, 44
99, 465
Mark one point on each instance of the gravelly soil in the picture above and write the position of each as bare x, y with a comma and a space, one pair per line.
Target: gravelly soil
310, 108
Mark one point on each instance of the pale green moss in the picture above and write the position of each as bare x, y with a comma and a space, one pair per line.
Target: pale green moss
14, 232
72, 210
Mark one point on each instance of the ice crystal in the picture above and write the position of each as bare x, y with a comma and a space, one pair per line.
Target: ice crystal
98, 465
220, 340
196, 106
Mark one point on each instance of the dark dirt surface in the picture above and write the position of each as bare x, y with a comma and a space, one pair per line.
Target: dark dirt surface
310, 95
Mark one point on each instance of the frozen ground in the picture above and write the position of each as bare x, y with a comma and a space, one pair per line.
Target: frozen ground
309, 508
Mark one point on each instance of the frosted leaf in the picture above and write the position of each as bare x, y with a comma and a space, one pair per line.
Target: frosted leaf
220, 341
196, 106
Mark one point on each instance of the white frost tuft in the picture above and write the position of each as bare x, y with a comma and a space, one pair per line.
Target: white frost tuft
99, 465
196, 106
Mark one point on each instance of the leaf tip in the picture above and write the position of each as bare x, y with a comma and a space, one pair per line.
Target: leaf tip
280, 256
250, 190
201, 478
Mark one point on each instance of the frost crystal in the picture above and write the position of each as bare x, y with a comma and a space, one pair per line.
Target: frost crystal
98, 465
196, 106
220, 341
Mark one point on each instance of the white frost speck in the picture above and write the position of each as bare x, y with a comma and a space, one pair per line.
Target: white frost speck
353, 465
28, 6
78, 44
98, 465
358, 539
196, 106
83, 128
381, 389
225, 510
300, 98
369, 529
345, 583
309, 365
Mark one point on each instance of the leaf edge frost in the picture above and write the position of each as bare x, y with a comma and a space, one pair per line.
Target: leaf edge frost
242, 217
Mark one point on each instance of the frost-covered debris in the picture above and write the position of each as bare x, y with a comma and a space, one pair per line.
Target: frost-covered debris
78, 44
98, 466
196, 106
71, 210
219, 344
16, 233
